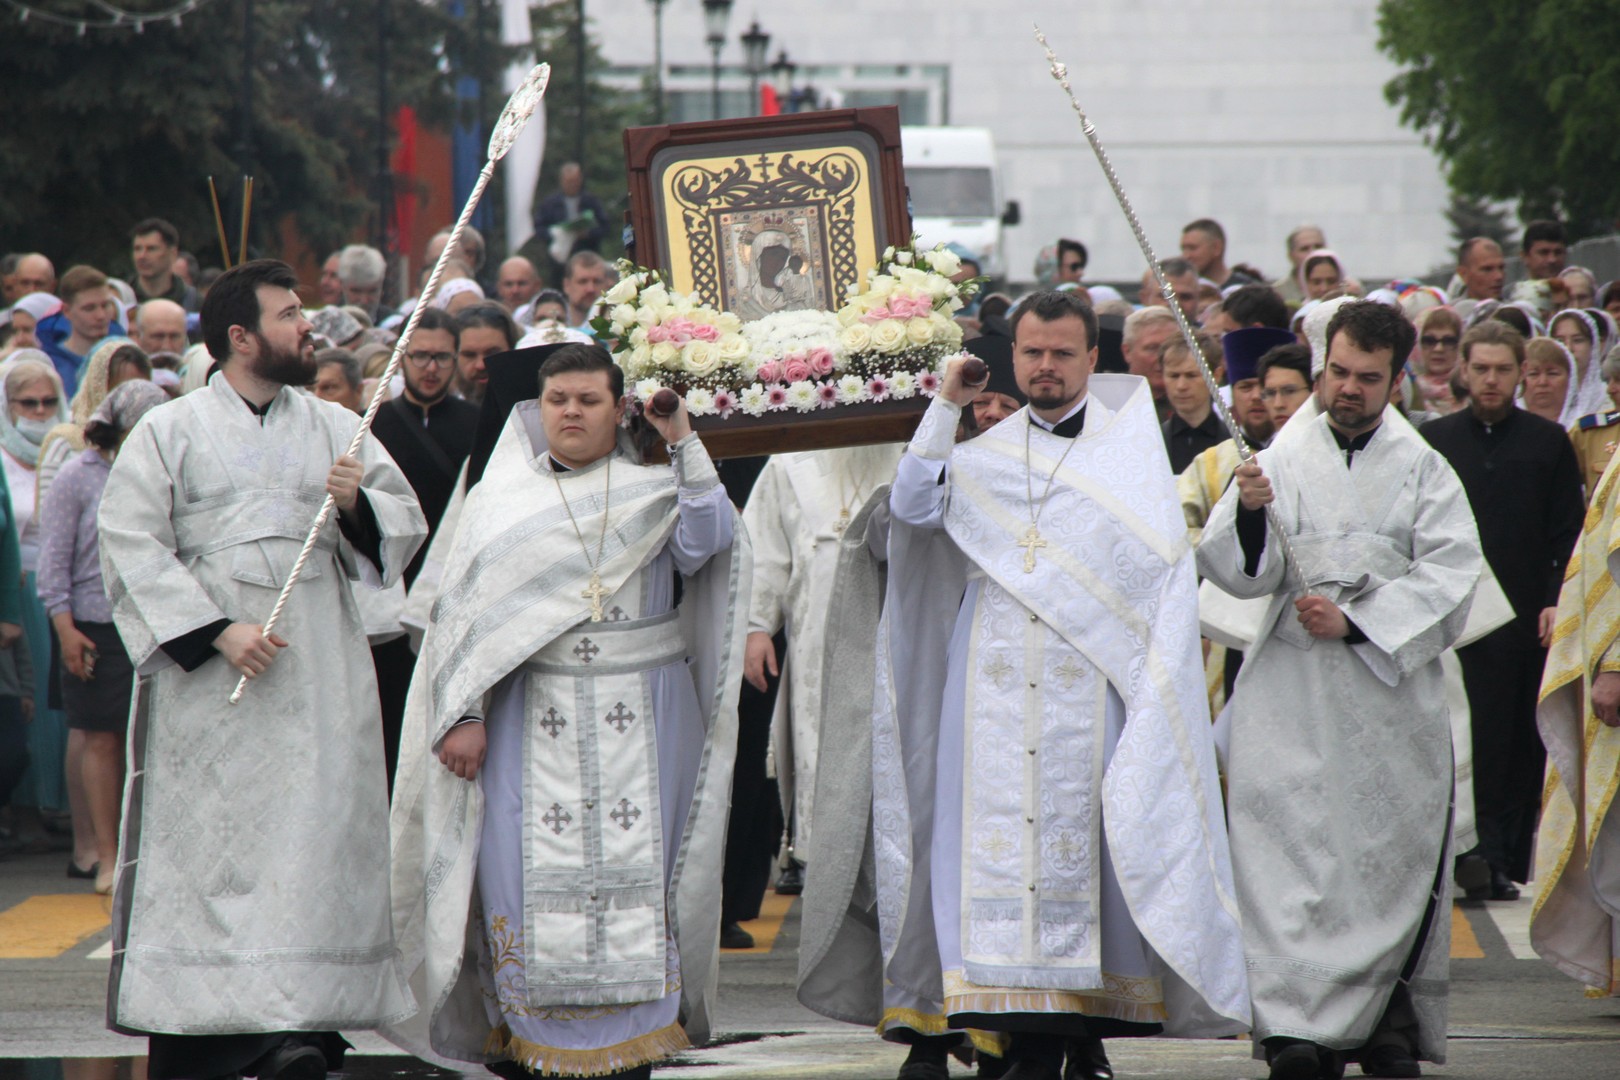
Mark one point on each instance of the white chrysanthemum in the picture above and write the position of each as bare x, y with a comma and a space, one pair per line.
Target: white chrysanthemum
851, 389
902, 384
700, 401
801, 396
752, 400
646, 388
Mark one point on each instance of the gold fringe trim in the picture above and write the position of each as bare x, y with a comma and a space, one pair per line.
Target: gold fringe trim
1137, 1000
986, 1042
554, 1061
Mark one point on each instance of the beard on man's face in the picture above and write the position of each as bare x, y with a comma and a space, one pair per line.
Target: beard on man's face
286, 367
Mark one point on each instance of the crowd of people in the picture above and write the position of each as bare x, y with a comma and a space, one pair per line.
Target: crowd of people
1068, 722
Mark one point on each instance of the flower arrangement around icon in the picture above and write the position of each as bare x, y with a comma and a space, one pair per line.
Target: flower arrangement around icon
887, 343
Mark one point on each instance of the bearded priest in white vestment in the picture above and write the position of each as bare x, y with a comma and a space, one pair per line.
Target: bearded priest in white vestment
1050, 857
251, 911
1339, 772
797, 513
559, 899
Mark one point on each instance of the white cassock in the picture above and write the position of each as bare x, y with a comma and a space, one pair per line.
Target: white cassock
253, 890
1339, 773
1046, 818
796, 514
563, 910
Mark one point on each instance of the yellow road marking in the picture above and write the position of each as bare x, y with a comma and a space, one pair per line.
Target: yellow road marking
765, 928
1464, 945
45, 926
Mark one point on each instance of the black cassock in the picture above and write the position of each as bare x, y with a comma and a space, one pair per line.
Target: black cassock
1524, 485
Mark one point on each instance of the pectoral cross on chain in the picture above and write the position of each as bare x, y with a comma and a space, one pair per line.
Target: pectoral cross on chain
1031, 541
594, 593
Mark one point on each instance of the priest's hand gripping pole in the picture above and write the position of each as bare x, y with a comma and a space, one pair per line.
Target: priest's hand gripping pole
519, 108
1060, 72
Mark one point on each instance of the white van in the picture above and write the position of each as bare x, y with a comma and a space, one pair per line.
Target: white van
955, 191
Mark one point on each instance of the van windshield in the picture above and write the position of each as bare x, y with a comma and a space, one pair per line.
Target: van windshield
962, 192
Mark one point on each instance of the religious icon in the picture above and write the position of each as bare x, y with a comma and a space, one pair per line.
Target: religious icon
774, 260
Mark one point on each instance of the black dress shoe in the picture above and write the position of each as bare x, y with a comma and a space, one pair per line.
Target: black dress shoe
1473, 872
791, 883
1393, 1061
73, 871
1087, 1060
1295, 1059
1502, 887
927, 1059
733, 936
294, 1059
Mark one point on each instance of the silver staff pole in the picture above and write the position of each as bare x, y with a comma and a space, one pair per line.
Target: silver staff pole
519, 108
1060, 72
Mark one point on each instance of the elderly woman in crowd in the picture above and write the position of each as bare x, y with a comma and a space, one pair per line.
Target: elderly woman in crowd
97, 679
1579, 334
31, 404
115, 360
1582, 285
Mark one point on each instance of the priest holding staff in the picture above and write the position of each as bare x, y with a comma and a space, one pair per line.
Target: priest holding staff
1051, 860
560, 813
1340, 767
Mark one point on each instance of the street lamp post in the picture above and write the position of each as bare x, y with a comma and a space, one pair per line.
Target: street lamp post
782, 70
716, 14
756, 43
658, 54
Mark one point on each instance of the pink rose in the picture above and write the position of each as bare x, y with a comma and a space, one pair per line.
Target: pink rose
680, 331
796, 370
770, 371
821, 360
876, 315
657, 334
707, 333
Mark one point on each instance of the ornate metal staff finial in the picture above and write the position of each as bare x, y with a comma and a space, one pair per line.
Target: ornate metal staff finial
1060, 73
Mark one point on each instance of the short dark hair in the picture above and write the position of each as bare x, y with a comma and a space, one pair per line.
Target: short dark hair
1051, 305
1372, 326
1209, 349
170, 234
234, 301
1075, 246
1206, 225
1541, 230
77, 280
490, 315
439, 319
577, 356
1256, 304
130, 354
1294, 357
1515, 318
1493, 332
1176, 266
353, 374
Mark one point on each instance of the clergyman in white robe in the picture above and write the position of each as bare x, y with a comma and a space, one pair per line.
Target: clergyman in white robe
796, 514
1049, 851
1339, 772
253, 891
562, 910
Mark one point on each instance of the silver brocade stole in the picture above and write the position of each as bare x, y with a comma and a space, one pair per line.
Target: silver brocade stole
593, 873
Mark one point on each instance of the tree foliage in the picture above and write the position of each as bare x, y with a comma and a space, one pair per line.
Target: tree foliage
1518, 97
107, 128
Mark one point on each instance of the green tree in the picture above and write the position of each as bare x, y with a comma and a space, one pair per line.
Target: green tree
1518, 97
608, 111
1476, 217
109, 127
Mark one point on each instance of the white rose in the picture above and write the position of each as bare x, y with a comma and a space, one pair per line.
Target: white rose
912, 278
733, 348
939, 288
947, 331
880, 287
856, 338
640, 357
944, 262
919, 331
646, 318
903, 258
728, 323
666, 355
623, 317
889, 336
701, 358
622, 292
655, 297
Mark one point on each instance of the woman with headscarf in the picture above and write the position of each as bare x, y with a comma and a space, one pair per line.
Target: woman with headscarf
115, 360
97, 679
1578, 333
1548, 387
1434, 362
31, 403
1320, 273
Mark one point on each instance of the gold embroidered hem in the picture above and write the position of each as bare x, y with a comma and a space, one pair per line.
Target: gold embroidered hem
1139, 1000
604, 1061
987, 1042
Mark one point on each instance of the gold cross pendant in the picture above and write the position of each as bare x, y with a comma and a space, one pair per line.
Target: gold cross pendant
594, 593
1031, 541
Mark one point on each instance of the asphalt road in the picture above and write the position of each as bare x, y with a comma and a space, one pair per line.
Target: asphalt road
1512, 1016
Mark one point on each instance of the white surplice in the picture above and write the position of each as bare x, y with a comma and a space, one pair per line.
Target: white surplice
796, 515
563, 910
1339, 773
253, 886
1047, 821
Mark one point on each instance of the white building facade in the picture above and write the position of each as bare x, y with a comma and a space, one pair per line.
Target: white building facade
1263, 114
